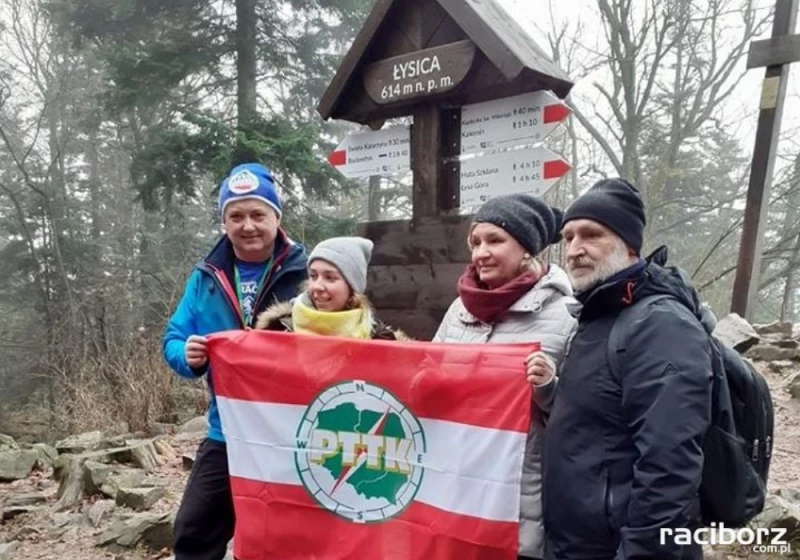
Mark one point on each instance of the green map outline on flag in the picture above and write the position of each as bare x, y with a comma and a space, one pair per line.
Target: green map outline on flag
359, 452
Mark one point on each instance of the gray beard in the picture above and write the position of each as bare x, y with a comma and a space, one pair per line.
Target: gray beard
603, 270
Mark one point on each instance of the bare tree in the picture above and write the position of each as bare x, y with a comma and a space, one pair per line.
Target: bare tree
663, 74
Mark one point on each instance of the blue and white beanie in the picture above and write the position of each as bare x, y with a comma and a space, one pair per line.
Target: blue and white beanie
249, 181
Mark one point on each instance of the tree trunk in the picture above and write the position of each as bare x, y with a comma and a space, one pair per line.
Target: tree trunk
374, 204
789, 224
54, 199
99, 340
661, 185
787, 305
573, 141
246, 62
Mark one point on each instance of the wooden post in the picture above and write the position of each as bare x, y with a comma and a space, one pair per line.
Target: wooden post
450, 179
426, 159
435, 143
773, 93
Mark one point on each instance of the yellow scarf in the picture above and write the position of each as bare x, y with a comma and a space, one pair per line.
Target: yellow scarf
352, 323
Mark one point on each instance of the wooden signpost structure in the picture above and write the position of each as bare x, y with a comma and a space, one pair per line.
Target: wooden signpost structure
427, 59
776, 54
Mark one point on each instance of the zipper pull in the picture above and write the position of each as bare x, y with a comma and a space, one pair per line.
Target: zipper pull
755, 450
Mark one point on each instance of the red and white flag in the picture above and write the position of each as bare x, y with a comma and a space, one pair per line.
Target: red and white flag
342, 449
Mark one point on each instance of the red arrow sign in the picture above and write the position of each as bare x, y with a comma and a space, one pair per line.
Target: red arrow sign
374, 152
337, 158
555, 169
523, 119
530, 170
555, 113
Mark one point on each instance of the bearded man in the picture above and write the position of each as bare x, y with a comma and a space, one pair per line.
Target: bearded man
623, 451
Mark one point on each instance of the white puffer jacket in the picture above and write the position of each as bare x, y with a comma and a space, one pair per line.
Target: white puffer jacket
541, 315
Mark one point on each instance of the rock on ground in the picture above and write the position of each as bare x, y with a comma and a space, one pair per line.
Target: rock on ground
195, 425
17, 464
736, 333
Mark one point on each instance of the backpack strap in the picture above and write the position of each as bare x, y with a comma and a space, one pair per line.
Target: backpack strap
616, 337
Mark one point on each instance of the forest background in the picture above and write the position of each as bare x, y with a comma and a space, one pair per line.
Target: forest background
118, 119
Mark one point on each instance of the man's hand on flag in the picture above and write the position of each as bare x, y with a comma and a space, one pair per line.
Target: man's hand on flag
196, 352
541, 368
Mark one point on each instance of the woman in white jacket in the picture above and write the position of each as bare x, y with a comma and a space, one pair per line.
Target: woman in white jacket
508, 295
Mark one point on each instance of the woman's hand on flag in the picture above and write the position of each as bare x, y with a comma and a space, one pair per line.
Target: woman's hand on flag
540, 368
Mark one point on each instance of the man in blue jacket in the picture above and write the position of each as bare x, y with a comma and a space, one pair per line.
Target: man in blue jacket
252, 266
623, 453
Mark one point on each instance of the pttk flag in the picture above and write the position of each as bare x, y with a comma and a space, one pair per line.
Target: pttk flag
342, 449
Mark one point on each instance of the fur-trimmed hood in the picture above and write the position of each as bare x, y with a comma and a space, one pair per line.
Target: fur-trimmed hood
274, 314
278, 317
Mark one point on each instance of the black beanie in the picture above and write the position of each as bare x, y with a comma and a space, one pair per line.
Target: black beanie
534, 224
616, 204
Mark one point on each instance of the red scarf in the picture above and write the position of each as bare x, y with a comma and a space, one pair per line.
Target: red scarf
487, 305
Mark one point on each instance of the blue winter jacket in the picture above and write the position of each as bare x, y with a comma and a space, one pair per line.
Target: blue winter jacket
209, 305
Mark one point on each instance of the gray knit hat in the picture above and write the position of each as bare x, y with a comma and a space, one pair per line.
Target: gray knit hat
534, 224
350, 255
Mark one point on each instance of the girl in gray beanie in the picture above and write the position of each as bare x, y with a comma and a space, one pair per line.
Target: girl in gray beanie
507, 294
332, 301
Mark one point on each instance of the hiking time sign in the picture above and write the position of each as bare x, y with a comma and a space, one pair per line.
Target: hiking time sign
359, 452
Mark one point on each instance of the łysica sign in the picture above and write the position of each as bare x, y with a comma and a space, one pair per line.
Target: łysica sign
419, 74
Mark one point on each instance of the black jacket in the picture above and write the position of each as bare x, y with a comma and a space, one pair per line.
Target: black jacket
623, 457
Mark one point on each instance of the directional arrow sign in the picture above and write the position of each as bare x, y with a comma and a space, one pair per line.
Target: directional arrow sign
529, 170
380, 152
511, 121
